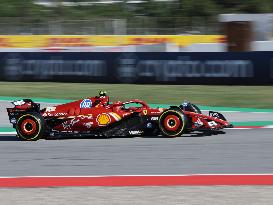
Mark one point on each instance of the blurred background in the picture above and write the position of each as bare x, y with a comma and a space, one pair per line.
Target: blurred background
184, 23
182, 42
108, 17
217, 54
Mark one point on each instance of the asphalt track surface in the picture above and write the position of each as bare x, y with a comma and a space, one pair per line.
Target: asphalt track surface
236, 151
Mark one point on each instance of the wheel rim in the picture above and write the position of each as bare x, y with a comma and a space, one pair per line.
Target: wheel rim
28, 127
171, 123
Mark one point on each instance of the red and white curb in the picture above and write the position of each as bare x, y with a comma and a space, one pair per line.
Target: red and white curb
138, 180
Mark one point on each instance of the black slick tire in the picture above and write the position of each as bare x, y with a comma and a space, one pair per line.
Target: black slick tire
30, 127
172, 123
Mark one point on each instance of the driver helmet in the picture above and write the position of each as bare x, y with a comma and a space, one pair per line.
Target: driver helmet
102, 93
185, 103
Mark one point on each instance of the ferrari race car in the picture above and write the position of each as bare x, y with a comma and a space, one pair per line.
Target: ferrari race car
96, 117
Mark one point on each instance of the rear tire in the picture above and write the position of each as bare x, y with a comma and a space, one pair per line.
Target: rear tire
172, 123
30, 127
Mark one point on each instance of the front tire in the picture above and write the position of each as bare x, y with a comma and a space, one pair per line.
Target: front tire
30, 127
172, 123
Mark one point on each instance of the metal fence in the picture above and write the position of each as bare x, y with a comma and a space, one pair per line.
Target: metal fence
131, 26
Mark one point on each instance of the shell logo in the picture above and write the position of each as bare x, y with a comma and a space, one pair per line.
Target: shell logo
103, 119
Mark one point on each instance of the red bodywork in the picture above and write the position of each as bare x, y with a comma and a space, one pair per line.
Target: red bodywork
102, 114
92, 115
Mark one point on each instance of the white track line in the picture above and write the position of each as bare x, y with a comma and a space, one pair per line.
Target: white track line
239, 128
8, 133
141, 175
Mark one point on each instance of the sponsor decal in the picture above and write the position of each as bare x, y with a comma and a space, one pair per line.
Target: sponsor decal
88, 117
86, 103
48, 114
198, 123
70, 124
214, 114
88, 125
149, 40
103, 119
154, 118
183, 67
50, 109
77, 41
13, 120
60, 114
62, 41
131, 68
135, 132
16, 67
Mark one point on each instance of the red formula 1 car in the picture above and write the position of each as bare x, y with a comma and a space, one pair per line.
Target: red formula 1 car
95, 116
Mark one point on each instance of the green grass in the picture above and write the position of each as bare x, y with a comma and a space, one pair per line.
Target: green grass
230, 96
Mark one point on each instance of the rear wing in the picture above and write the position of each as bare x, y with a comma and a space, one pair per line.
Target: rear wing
21, 107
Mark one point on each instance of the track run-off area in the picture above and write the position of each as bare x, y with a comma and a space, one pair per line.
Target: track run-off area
237, 156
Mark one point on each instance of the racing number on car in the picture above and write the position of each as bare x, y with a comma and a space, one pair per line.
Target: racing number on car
212, 124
